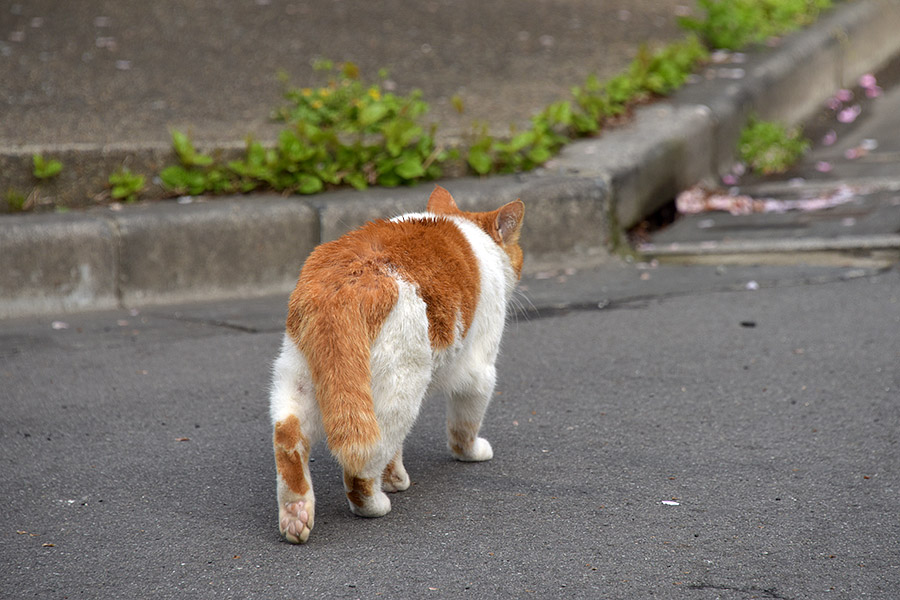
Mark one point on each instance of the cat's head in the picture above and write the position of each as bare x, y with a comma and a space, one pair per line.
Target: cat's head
502, 225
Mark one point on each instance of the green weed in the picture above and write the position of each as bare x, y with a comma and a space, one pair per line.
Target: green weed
45, 169
650, 74
734, 24
15, 200
125, 185
344, 132
768, 147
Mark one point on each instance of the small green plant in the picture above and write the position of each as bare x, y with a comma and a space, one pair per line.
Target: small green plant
125, 185
650, 74
15, 200
768, 147
733, 24
186, 151
370, 135
197, 173
45, 169
344, 132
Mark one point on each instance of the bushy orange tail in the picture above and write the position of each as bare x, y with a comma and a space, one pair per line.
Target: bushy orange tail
334, 315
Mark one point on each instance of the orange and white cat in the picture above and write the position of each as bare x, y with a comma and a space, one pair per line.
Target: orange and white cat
380, 317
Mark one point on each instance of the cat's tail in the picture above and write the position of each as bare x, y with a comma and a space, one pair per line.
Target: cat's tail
335, 335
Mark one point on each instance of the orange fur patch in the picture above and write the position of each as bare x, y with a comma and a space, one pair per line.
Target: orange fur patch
503, 224
291, 454
462, 435
390, 471
358, 489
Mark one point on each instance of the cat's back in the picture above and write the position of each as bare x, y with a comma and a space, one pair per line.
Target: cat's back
441, 259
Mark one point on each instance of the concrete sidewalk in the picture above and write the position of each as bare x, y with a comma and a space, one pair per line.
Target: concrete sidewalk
578, 204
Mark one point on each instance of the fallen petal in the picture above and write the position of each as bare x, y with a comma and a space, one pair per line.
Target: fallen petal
848, 115
873, 92
829, 138
844, 95
823, 166
59, 325
867, 81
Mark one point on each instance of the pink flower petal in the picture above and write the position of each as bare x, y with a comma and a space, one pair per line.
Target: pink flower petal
829, 138
823, 166
844, 95
868, 81
729, 179
873, 92
848, 115
833, 103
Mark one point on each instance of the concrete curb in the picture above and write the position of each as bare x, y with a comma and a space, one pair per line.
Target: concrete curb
871, 251
576, 205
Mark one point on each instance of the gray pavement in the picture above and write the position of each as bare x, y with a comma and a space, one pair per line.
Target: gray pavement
97, 72
697, 437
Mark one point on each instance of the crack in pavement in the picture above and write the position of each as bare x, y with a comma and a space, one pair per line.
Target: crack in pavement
751, 591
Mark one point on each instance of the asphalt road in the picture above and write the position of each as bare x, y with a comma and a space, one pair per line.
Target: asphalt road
137, 462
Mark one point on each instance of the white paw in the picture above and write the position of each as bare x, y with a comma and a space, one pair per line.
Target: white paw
480, 450
295, 521
395, 481
376, 505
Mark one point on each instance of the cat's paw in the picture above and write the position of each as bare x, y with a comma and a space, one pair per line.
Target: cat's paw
395, 479
480, 450
376, 505
295, 521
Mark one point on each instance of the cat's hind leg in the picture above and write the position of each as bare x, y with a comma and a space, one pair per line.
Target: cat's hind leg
296, 427
466, 405
394, 478
366, 488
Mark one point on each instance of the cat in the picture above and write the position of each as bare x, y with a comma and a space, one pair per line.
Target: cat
380, 317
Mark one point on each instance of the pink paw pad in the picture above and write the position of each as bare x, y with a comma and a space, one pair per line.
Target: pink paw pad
295, 522
296, 509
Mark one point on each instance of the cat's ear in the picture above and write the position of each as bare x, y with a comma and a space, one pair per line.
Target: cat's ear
508, 222
441, 202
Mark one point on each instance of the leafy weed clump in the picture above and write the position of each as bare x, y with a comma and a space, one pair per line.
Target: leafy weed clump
768, 147
651, 74
734, 24
345, 132
45, 169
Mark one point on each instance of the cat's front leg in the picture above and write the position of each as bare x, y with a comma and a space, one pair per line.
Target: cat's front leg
465, 410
